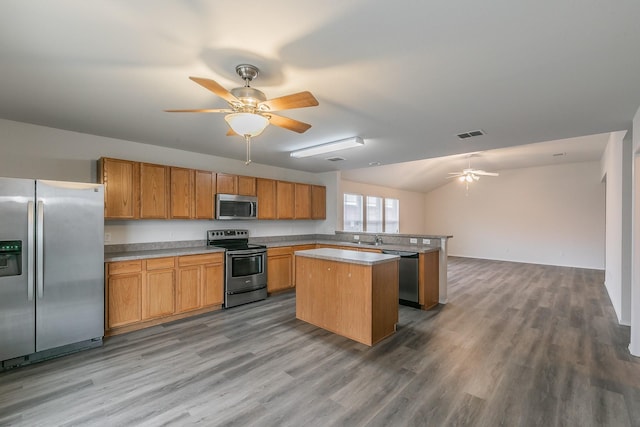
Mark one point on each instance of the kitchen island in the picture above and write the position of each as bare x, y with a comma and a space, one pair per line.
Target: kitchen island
350, 293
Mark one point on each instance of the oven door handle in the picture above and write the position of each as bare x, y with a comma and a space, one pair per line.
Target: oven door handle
244, 252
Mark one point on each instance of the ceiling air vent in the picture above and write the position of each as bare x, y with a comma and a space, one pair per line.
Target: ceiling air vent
470, 134
335, 159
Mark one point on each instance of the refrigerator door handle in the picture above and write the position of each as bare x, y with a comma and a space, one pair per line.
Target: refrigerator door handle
30, 233
39, 249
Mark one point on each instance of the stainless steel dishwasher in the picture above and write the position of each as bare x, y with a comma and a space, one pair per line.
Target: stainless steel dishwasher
408, 277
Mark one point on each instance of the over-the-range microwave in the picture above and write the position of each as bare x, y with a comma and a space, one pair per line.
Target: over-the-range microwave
232, 206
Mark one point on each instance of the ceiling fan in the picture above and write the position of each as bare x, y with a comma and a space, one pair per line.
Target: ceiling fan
469, 174
249, 110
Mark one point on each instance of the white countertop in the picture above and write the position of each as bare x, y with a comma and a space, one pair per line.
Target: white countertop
343, 255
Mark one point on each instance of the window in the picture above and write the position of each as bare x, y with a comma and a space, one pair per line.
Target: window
352, 212
374, 214
378, 215
391, 215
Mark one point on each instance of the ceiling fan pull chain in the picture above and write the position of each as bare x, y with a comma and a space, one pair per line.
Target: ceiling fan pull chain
247, 139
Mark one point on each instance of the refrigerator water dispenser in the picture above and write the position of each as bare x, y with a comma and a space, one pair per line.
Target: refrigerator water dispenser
10, 258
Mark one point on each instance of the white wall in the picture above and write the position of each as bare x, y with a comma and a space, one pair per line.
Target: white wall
411, 204
615, 165
634, 346
551, 215
30, 151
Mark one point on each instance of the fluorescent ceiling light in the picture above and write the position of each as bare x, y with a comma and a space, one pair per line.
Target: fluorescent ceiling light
329, 147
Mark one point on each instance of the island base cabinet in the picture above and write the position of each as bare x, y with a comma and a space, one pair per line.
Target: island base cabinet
359, 302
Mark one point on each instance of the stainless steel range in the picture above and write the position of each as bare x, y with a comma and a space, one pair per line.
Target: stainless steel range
245, 266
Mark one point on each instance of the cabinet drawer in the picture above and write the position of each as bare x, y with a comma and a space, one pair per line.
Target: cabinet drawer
303, 247
285, 250
184, 261
124, 267
160, 263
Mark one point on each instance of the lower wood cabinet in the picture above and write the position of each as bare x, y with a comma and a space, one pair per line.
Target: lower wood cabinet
147, 292
123, 293
279, 269
158, 288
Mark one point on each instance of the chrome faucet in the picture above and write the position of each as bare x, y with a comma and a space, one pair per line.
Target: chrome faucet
378, 240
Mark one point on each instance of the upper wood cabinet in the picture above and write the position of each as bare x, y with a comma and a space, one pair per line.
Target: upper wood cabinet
121, 179
154, 191
266, 191
227, 183
137, 190
246, 185
318, 202
285, 199
302, 201
205, 186
182, 193
236, 184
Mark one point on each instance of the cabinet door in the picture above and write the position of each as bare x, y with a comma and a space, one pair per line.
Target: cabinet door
266, 191
121, 179
154, 191
247, 185
124, 299
318, 202
158, 294
213, 284
205, 183
182, 193
226, 183
302, 201
285, 198
188, 289
279, 269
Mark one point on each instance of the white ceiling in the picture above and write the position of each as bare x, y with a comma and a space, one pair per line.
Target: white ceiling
404, 75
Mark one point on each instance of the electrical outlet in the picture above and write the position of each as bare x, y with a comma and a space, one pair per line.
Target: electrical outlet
413, 240
426, 241
107, 237
356, 237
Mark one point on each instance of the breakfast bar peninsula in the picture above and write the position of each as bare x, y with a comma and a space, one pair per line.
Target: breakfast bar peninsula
350, 293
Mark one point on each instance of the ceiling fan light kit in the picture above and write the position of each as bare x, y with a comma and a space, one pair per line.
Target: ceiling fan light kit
247, 123
328, 147
247, 107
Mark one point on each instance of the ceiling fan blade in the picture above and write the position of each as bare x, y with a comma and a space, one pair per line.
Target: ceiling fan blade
231, 132
457, 175
481, 172
288, 102
202, 110
217, 89
287, 123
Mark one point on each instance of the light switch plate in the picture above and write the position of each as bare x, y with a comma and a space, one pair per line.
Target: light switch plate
413, 240
107, 237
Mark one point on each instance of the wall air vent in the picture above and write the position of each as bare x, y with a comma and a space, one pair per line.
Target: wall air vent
335, 159
470, 134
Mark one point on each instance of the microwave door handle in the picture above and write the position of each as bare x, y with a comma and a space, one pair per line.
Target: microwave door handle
252, 211
30, 249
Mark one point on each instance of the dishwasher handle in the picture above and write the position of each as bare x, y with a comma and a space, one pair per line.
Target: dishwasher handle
401, 254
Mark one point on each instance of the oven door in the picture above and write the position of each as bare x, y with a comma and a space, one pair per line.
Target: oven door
246, 270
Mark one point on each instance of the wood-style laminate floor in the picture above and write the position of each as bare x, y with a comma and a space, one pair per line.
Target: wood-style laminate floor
517, 345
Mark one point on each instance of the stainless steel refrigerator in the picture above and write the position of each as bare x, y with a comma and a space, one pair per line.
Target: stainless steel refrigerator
51, 268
